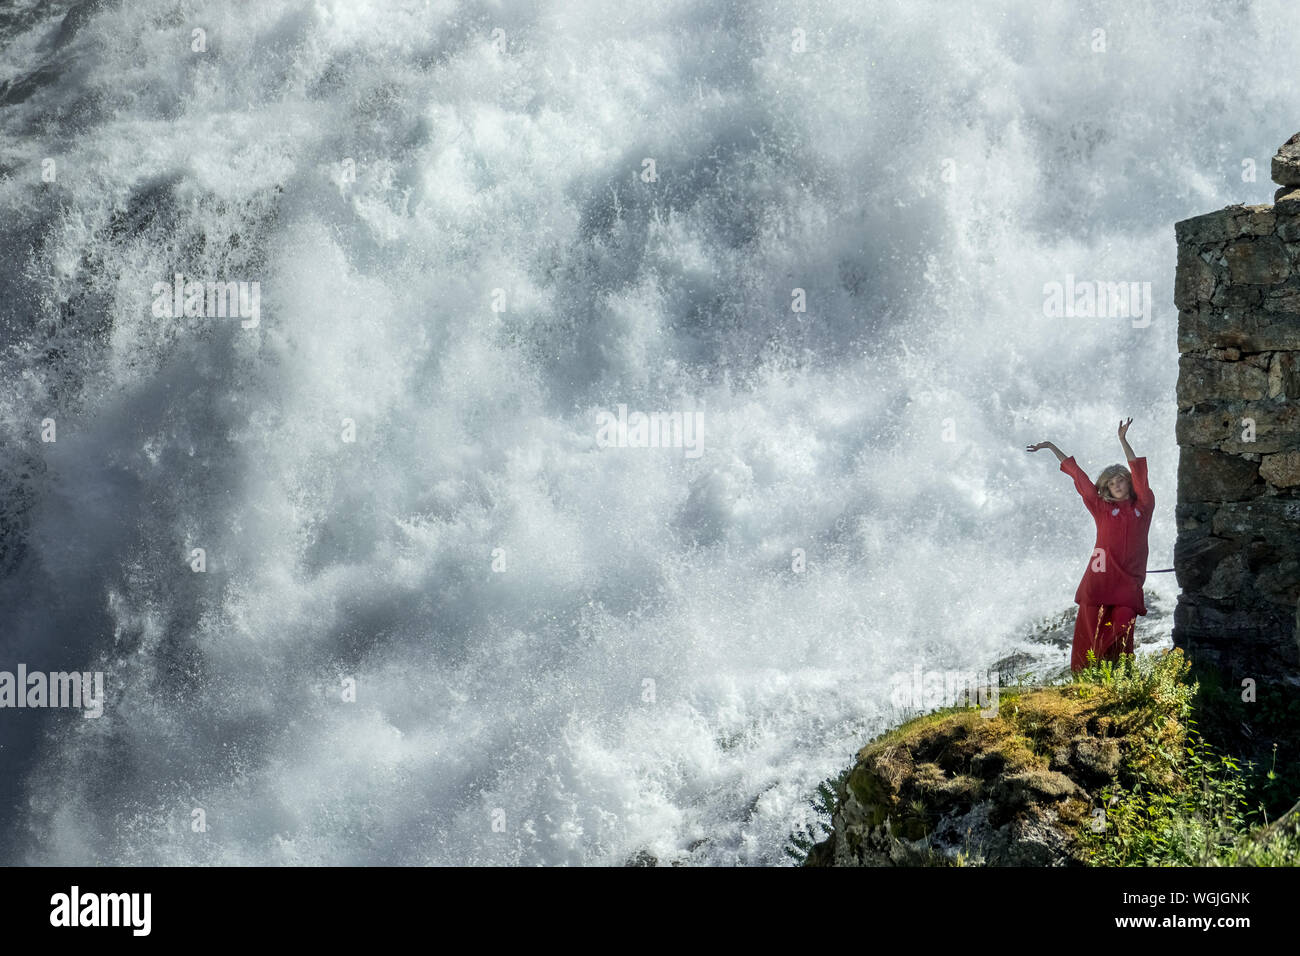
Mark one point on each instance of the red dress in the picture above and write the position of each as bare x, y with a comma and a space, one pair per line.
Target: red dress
1110, 594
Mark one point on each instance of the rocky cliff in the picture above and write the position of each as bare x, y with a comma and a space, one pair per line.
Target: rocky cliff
1109, 770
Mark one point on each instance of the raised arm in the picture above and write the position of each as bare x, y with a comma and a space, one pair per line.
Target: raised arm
1060, 455
1138, 468
1123, 439
1082, 483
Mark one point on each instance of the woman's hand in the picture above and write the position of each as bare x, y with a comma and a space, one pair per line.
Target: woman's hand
1047, 444
1123, 442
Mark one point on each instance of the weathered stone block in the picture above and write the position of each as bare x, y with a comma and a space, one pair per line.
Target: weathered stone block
1262, 555
1286, 162
1205, 475
1231, 578
1259, 261
1195, 279
1286, 206
1193, 519
1238, 298
1280, 583
1252, 641
1231, 222
1196, 558
1241, 428
1203, 380
1284, 376
1257, 221
1248, 328
1284, 297
1281, 470
1281, 516
1208, 228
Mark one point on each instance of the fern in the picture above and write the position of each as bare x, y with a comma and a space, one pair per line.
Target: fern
823, 802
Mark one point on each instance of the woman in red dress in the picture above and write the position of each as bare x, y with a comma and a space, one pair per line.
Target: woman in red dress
1110, 594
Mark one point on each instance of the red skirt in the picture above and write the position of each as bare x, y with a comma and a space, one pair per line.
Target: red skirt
1105, 629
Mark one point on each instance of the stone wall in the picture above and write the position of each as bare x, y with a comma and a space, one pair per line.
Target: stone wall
1238, 549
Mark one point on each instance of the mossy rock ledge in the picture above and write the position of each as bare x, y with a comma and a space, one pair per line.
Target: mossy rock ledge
1014, 789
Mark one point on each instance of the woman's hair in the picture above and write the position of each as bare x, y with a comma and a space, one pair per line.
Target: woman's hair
1107, 474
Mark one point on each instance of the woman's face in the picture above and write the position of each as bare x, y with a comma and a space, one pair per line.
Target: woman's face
1118, 486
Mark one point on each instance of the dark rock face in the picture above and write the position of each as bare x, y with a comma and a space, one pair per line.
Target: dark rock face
1238, 552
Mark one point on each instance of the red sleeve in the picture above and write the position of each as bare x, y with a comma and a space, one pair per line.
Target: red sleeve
1087, 490
1141, 487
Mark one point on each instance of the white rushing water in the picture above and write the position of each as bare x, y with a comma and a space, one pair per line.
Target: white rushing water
564, 652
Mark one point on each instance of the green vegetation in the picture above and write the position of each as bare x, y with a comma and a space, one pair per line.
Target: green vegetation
802, 839
1146, 786
1186, 804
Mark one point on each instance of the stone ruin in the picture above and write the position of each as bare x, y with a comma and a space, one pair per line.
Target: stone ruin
1237, 555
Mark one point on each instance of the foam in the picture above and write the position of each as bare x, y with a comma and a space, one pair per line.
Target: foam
524, 691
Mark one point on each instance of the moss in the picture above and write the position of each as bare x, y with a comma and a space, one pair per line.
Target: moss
1107, 770
945, 763
874, 795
